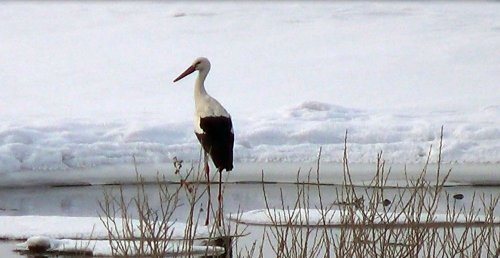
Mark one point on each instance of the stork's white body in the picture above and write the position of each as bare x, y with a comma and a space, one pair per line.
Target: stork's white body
212, 123
204, 104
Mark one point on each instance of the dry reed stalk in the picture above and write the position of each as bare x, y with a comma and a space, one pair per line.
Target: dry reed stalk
374, 225
138, 228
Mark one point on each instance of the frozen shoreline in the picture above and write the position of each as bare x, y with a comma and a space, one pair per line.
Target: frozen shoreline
330, 173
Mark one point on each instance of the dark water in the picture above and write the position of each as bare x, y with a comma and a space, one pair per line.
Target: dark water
83, 201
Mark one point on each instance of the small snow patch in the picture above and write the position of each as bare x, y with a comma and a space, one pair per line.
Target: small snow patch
312, 217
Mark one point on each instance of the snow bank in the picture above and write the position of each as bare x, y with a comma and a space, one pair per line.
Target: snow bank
23, 227
293, 134
83, 145
81, 234
101, 247
334, 217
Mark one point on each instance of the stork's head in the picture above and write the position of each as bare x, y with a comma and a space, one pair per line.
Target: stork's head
200, 64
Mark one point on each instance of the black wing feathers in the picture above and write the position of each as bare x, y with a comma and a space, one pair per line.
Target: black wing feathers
218, 140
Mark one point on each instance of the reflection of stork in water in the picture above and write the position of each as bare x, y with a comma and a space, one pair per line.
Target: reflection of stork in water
213, 128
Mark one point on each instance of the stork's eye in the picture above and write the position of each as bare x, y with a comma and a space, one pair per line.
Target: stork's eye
197, 63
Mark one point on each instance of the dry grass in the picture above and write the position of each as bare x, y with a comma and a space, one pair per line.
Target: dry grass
137, 227
373, 223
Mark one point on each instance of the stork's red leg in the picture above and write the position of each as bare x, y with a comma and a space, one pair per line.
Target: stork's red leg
209, 197
219, 199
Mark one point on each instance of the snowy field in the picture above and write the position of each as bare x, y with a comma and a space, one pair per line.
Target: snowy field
90, 84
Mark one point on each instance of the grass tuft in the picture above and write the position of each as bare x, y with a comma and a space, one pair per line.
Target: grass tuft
353, 221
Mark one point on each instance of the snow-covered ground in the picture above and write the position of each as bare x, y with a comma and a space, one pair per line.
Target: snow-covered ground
88, 234
85, 234
302, 217
90, 84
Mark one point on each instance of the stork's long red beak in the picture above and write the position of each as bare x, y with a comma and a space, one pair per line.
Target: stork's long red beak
188, 71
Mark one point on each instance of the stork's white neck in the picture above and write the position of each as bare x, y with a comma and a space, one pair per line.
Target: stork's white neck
199, 85
205, 105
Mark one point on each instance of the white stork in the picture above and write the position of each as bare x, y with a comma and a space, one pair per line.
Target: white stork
212, 126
